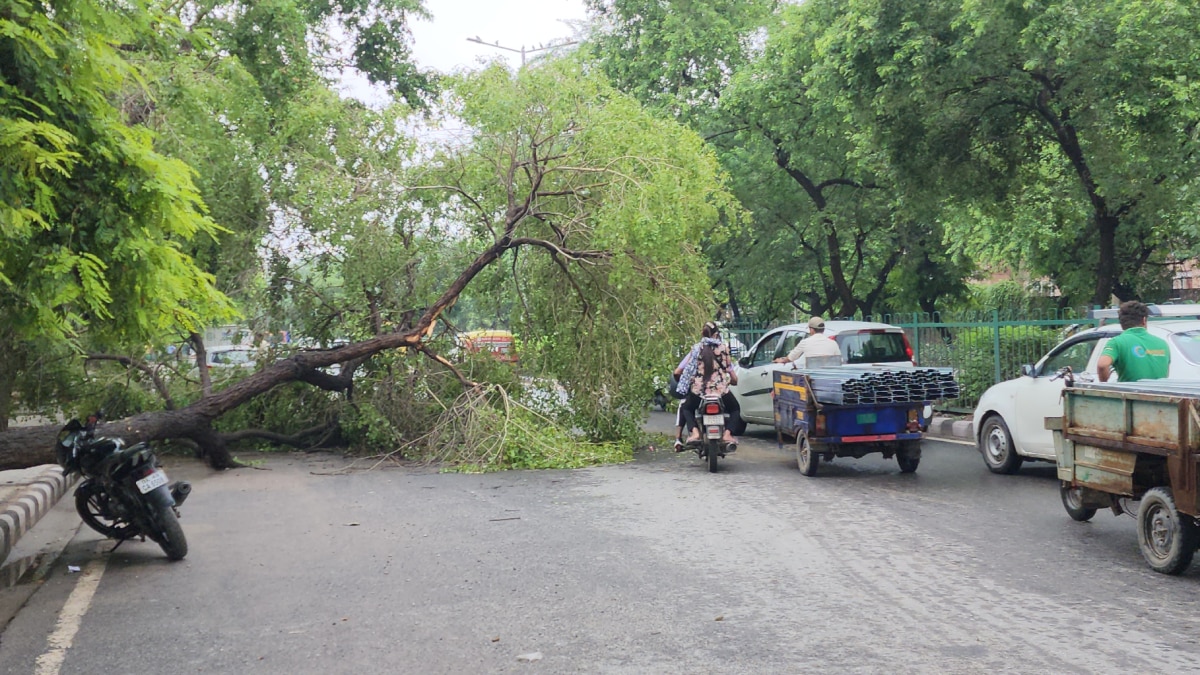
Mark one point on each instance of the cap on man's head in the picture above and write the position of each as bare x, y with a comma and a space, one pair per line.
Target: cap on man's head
816, 323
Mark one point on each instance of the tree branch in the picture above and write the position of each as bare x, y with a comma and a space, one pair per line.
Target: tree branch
129, 362
296, 440
424, 349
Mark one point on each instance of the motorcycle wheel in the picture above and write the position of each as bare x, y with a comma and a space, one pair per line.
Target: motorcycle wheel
713, 454
170, 533
95, 507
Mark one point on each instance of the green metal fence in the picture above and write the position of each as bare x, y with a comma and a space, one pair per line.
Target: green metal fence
983, 347
987, 347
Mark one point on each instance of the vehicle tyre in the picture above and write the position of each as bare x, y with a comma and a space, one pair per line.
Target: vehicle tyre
996, 443
102, 512
1072, 500
1167, 537
170, 533
908, 456
806, 459
713, 455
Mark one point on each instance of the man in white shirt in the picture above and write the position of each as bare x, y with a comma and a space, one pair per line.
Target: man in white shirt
816, 344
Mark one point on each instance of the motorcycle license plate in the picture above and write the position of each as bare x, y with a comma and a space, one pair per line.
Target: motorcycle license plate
714, 419
154, 480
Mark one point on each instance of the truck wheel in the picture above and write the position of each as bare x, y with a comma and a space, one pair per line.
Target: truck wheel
996, 444
1167, 537
1072, 499
806, 459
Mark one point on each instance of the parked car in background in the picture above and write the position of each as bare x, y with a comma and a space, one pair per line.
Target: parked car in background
234, 356
1010, 417
861, 342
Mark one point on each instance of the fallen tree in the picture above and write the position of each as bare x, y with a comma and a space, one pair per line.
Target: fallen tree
30, 446
559, 165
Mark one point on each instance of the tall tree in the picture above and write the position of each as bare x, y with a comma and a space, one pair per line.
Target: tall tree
827, 219
676, 56
1066, 129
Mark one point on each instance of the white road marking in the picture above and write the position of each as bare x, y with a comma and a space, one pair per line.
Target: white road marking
71, 617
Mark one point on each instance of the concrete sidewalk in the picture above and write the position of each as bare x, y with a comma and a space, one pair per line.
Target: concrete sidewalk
25, 496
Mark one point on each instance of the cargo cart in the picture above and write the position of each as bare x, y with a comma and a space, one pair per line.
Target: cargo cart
1119, 443
846, 429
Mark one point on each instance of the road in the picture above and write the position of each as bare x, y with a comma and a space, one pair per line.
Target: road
651, 567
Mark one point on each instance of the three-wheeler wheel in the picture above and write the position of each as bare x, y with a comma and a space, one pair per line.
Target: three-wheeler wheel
806, 459
1168, 538
1072, 500
909, 456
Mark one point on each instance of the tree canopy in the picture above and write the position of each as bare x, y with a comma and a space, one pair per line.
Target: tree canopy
168, 167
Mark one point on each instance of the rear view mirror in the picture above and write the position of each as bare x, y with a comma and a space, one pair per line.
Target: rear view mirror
744, 362
1027, 370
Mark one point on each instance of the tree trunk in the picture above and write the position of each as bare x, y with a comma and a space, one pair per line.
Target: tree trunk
1106, 266
197, 341
30, 446
734, 309
845, 294
8, 376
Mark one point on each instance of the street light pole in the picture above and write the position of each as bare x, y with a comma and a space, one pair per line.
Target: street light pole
523, 50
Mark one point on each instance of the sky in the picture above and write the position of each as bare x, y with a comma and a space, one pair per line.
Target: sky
442, 43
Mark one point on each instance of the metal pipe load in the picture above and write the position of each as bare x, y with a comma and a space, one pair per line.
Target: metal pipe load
856, 385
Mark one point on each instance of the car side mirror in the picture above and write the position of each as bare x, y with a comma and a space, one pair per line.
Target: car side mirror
744, 362
1027, 370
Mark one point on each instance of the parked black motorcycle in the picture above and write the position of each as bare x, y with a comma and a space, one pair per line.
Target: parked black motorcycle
124, 493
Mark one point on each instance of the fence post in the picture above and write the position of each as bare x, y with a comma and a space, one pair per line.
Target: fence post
996, 342
916, 338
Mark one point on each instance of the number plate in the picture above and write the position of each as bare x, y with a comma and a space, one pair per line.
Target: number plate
866, 418
714, 419
154, 480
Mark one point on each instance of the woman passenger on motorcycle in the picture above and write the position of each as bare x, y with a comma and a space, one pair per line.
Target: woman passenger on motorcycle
708, 371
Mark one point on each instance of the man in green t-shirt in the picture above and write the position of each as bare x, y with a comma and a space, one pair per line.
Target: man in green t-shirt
1135, 353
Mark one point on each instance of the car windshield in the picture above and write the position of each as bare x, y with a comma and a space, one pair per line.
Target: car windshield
872, 346
1188, 344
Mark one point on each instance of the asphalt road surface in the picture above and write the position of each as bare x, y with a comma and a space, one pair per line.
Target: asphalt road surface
651, 567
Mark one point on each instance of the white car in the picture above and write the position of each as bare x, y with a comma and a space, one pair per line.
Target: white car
1010, 418
234, 356
862, 342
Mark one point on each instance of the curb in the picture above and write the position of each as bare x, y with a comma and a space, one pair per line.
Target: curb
24, 511
949, 427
